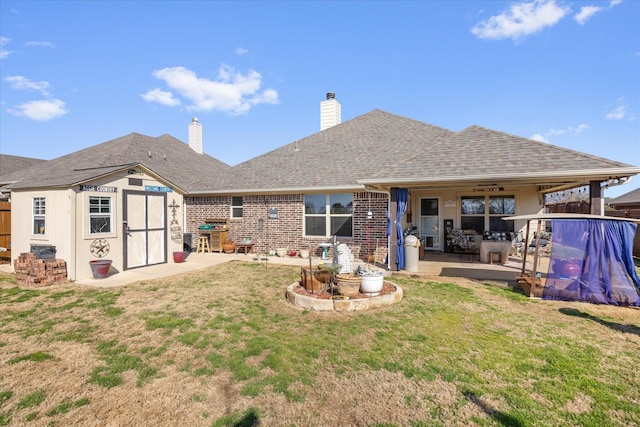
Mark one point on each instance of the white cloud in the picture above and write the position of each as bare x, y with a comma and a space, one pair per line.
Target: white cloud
21, 82
4, 52
621, 111
585, 13
618, 113
545, 137
231, 91
578, 129
241, 51
40, 44
539, 137
522, 19
44, 110
161, 97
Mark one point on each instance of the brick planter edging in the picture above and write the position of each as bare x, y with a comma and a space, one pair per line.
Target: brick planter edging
316, 304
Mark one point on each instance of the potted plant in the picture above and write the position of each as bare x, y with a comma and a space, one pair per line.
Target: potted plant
371, 280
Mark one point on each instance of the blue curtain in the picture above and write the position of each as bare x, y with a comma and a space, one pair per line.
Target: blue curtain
592, 261
402, 196
401, 199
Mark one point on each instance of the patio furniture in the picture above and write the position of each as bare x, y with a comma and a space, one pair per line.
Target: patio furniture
203, 244
246, 247
490, 246
463, 242
492, 257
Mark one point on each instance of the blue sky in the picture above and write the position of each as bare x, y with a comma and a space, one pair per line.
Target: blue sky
75, 74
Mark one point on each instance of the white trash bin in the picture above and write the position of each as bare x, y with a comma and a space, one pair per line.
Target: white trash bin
411, 253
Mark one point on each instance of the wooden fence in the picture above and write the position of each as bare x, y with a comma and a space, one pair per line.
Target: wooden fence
5, 233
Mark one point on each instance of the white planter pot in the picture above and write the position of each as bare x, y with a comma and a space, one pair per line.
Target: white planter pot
371, 285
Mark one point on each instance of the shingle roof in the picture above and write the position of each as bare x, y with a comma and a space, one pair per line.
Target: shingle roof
336, 157
165, 155
630, 198
376, 148
14, 166
379, 147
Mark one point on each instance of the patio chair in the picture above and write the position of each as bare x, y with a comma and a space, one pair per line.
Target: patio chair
517, 243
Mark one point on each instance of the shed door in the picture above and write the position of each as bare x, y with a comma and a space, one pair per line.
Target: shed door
144, 229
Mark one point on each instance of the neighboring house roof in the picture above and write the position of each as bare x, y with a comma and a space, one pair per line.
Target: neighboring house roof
15, 165
380, 149
166, 156
627, 199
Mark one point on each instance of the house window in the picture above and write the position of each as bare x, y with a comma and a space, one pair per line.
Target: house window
474, 214
499, 207
38, 215
236, 207
327, 215
100, 215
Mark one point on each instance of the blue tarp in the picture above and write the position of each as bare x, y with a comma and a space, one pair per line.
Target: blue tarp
592, 261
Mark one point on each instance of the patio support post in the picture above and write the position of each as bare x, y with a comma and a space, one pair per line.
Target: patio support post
595, 198
393, 235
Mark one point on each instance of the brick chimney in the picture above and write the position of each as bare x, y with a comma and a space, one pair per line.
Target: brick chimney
195, 135
330, 112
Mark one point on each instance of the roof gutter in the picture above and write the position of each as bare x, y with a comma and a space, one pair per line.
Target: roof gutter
617, 173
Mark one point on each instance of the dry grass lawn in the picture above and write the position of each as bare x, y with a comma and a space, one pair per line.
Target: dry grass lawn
221, 346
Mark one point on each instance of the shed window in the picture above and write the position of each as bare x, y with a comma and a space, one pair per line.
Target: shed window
100, 215
39, 211
236, 207
328, 215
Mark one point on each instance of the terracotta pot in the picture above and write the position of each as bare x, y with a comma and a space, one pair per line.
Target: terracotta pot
228, 247
348, 285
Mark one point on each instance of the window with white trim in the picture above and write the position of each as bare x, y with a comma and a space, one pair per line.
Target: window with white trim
327, 215
236, 207
39, 211
100, 214
482, 213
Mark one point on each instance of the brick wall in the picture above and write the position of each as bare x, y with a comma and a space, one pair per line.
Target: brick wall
286, 231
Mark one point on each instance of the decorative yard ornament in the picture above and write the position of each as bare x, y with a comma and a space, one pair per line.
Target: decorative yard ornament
99, 248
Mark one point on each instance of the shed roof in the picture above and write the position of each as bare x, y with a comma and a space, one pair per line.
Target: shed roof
165, 156
15, 166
